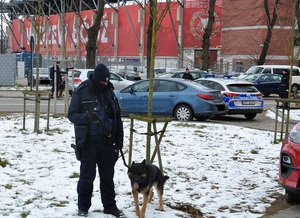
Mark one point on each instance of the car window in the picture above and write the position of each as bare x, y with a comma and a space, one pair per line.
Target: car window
43, 71
77, 73
178, 75
251, 78
278, 71
216, 86
267, 70
141, 87
180, 87
113, 77
254, 70
241, 88
212, 85
265, 78
166, 86
295, 72
89, 74
206, 83
276, 77
195, 75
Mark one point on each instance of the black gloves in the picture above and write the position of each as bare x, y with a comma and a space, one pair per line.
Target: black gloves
90, 117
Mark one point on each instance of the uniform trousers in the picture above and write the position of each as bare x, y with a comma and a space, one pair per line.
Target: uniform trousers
101, 155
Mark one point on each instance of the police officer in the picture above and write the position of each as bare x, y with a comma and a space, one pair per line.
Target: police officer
284, 84
95, 113
187, 75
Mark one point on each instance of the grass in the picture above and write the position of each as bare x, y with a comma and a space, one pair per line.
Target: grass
4, 162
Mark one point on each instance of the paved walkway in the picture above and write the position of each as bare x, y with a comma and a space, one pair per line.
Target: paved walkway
291, 212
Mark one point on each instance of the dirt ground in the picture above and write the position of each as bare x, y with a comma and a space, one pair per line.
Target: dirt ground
278, 205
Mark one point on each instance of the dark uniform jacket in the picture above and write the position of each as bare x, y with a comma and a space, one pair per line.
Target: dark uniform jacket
187, 76
284, 85
84, 101
58, 74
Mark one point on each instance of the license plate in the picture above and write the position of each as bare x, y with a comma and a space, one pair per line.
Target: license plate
248, 102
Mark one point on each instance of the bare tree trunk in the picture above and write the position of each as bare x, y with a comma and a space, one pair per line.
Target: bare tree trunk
271, 23
297, 14
92, 32
149, 40
207, 35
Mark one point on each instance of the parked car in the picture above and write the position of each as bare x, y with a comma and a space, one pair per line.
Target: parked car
83, 74
159, 71
240, 97
276, 69
172, 97
265, 83
195, 73
44, 76
126, 74
289, 165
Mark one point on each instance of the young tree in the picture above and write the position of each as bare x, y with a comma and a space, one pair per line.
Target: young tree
207, 35
270, 23
92, 33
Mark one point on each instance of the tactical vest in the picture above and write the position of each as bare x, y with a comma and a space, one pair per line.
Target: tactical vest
104, 126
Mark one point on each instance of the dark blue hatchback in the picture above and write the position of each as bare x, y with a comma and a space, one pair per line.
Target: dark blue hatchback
265, 83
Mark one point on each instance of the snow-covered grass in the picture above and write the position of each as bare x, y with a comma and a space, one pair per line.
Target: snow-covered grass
222, 170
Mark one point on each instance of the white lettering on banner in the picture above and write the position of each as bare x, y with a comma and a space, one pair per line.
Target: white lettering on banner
42, 40
28, 34
55, 35
74, 32
103, 35
83, 28
103, 38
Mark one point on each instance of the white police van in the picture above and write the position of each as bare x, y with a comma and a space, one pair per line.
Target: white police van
275, 69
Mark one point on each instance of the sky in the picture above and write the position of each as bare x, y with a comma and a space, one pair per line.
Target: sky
223, 170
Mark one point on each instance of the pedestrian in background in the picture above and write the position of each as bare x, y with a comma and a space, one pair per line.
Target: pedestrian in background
95, 113
55, 69
284, 84
187, 74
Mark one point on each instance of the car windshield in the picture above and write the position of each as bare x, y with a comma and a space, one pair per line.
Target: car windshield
131, 72
166, 75
42, 71
241, 88
251, 78
254, 70
77, 73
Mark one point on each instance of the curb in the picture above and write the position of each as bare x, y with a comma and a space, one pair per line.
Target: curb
273, 109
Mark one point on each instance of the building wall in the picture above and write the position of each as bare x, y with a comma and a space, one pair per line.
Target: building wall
239, 32
244, 29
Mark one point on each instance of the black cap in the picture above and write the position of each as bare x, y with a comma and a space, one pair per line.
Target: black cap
101, 73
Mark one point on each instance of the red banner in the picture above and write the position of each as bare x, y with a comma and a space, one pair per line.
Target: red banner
129, 36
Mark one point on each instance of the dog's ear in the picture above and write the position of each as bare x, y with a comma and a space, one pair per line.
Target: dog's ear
132, 163
144, 162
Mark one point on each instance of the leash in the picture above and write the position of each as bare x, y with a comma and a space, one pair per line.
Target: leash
123, 158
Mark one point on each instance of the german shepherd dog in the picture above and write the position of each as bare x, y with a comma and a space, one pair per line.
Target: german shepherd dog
143, 176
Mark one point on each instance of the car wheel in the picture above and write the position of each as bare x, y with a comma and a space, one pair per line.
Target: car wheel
183, 113
202, 118
291, 198
295, 88
250, 116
